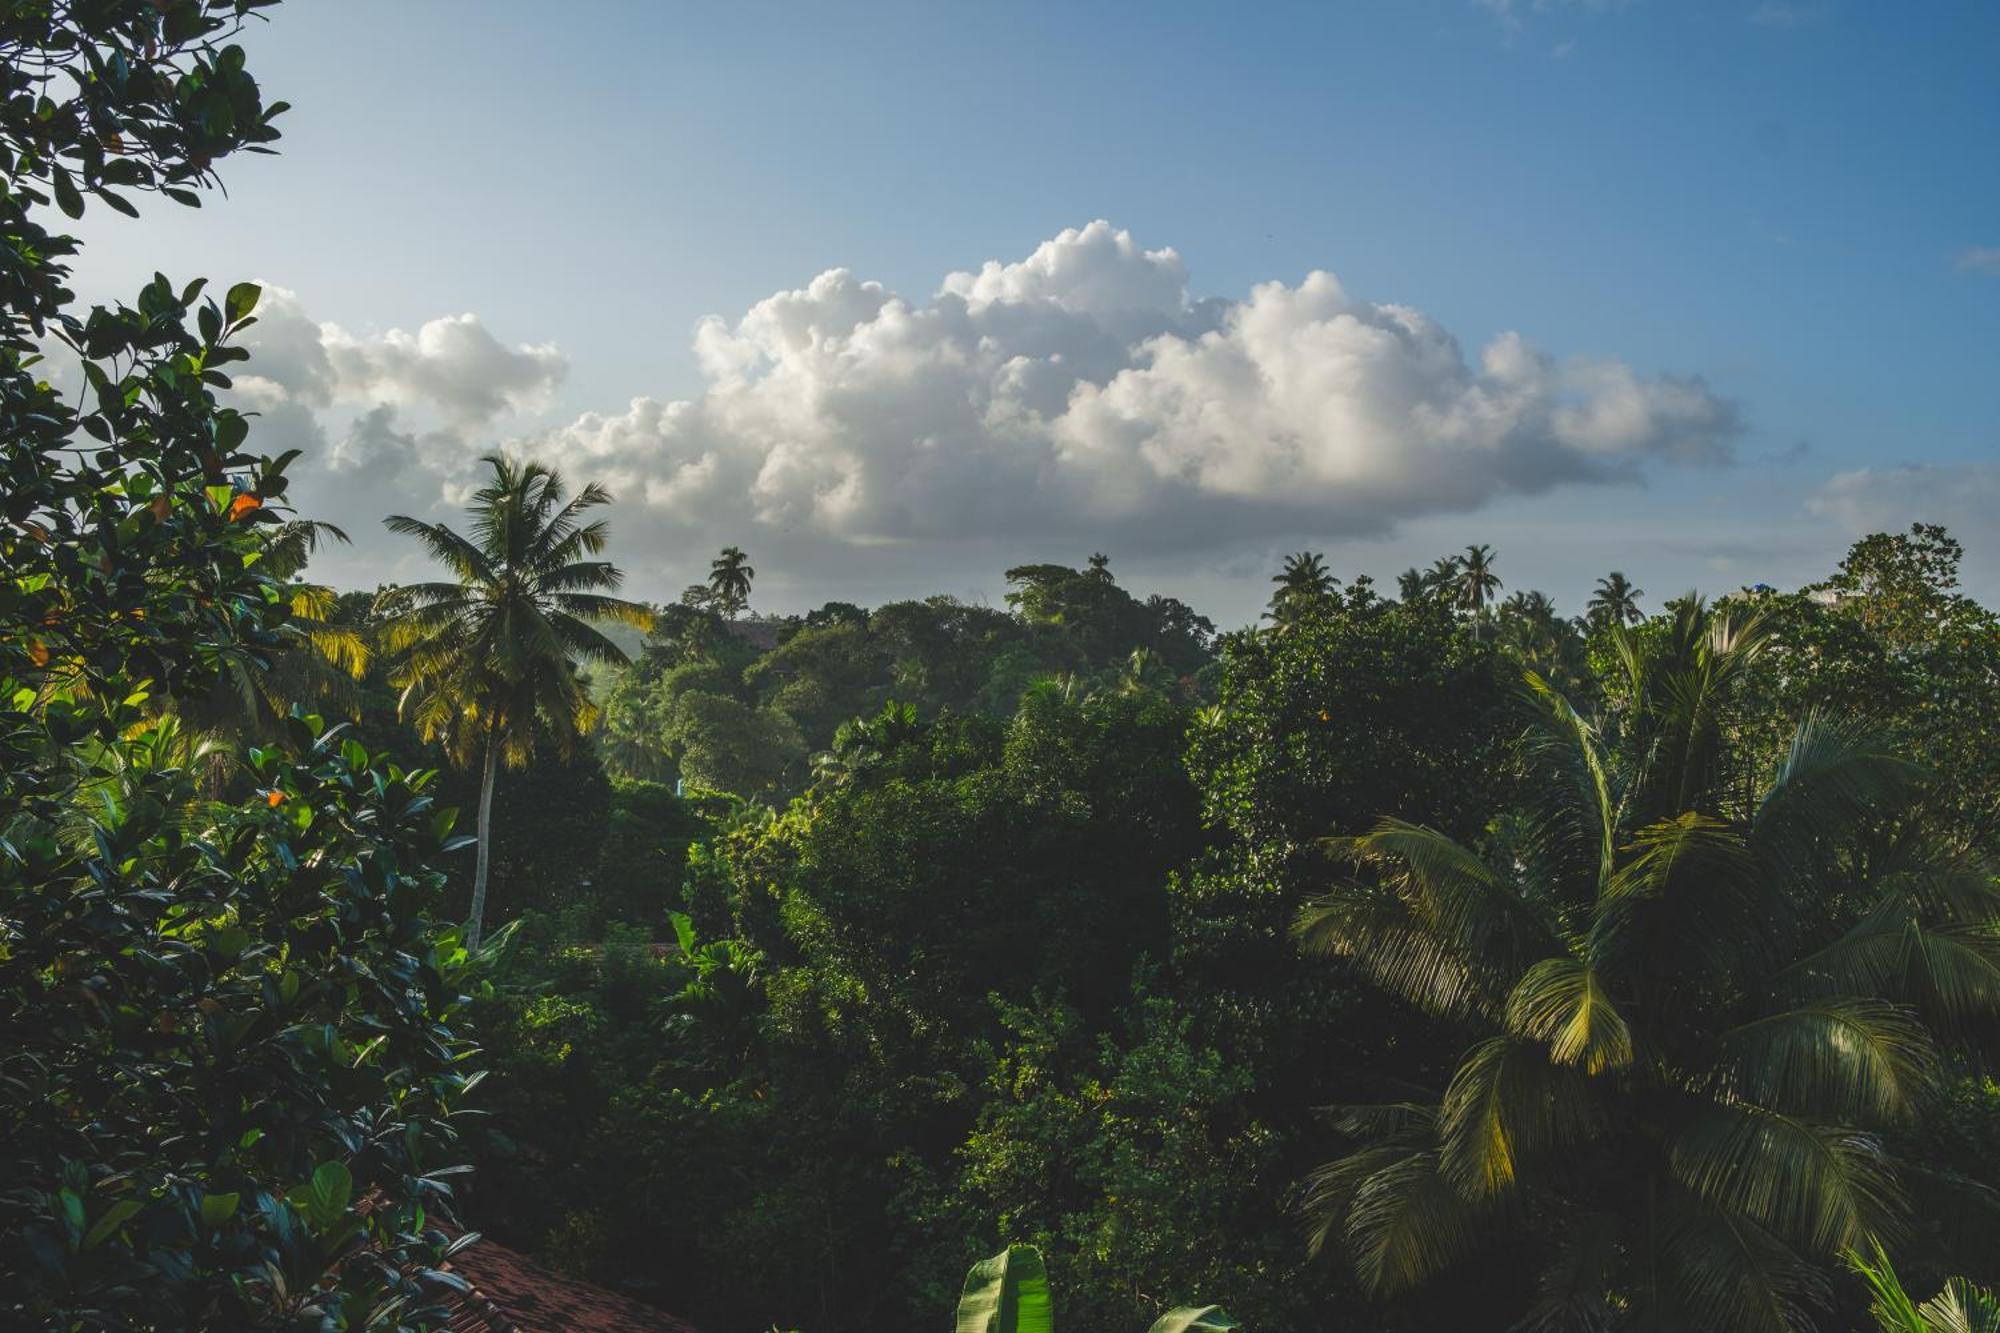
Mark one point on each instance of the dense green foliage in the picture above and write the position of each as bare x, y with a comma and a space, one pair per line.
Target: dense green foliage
1650, 966
1019, 965
223, 1013
741, 706
1700, 1000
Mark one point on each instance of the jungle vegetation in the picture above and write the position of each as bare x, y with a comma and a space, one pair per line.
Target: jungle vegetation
1412, 962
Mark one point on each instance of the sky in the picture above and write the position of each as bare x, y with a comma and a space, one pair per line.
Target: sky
895, 296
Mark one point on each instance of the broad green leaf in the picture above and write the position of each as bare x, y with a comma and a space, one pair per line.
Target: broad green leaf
324, 1198
242, 299
218, 1208
117, 1215
1008, 1293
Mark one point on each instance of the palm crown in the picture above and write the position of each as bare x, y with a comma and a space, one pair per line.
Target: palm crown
1304, 577
1477, 584
1696, 1004
1616, 601
729, 576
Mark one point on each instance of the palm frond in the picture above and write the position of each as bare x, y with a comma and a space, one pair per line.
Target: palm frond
1567, 742
1577, 1286
1828, 1187
1378, 931
1398, 1219
1476, 913
1851, 1058
1892, 1307
1730, 1275
1837, 775
615, 610
1563, 1003
1505, 1103
1684, 901
581, 640
454, 552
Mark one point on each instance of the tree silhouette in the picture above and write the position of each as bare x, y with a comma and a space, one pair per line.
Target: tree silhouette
1303, 579
1616, 601
729, 576
1477, 583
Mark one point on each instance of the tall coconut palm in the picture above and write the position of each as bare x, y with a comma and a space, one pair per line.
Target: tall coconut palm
1477, 584
1099, 567
1698, 1006
1412, 584
1616, 601
729, 576
487, 661
1304, 580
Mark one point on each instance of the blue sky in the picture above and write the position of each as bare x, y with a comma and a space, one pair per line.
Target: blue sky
1797, 203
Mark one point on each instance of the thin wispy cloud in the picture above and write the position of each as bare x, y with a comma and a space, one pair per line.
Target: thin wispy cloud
1515, 9
1788, 14
1983, 260
1963, 496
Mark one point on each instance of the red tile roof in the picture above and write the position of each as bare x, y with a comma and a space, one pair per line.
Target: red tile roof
511, 1293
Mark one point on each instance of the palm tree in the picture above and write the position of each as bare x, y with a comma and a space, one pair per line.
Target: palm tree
1304, 580
1698, 1004
1531, 607
487, 661
1412, 584
1477, 583
729, 578
1616, 601
1099, 568
1442, 577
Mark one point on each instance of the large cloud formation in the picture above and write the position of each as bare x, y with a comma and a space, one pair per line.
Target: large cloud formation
1077, 399
452, 373
1082, 391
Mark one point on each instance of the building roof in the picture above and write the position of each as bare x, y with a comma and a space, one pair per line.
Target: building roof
511, 1293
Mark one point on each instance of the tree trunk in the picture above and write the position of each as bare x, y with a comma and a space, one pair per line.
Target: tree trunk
484, 856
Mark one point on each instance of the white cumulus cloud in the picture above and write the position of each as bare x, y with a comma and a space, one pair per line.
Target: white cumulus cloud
453, 366
1075, 399
1081, 391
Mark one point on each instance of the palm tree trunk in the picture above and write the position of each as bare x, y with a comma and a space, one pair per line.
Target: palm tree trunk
484, 856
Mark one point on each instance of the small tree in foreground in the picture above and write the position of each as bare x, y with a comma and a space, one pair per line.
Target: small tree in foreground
226, 1060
